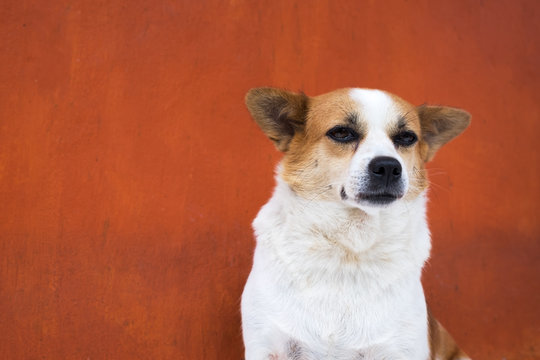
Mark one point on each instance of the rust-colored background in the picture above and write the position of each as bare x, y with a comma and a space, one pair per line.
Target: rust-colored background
130, 170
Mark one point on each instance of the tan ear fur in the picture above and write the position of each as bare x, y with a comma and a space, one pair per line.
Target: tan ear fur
279, 113
440, 124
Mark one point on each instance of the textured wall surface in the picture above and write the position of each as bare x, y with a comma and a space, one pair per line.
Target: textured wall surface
130, 170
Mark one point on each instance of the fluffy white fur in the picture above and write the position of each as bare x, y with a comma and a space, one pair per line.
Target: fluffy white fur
308, 284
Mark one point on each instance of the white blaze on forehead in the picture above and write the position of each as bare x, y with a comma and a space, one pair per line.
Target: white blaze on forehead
375, 106
377, 110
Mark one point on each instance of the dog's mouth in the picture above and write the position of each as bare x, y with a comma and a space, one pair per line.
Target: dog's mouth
377, 198
384, 198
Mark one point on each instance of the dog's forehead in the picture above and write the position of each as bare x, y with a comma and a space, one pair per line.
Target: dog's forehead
374, 108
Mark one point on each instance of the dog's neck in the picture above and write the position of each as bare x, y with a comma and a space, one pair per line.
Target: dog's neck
335, 242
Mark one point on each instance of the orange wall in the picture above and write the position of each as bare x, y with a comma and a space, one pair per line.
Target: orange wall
130, 170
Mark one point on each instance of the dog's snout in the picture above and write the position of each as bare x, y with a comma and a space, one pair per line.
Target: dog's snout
384, 170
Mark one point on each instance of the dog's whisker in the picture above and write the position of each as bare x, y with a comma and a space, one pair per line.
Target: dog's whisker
322, 190
440, 187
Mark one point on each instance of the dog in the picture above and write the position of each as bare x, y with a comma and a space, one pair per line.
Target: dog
343, 239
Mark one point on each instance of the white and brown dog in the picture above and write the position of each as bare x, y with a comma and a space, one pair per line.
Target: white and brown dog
342, 242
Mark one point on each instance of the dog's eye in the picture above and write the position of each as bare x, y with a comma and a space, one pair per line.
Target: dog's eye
342, 134
405, 138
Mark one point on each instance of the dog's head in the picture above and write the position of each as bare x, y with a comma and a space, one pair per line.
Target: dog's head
365, 148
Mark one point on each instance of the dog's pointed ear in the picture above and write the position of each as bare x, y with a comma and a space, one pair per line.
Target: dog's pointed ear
279, 113
440, 124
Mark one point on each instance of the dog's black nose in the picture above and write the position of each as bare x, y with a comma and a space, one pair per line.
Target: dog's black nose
384, 170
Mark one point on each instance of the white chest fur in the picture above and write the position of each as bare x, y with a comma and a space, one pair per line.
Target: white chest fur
336, 282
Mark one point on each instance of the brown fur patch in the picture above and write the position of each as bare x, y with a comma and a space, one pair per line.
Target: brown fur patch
442, 345
325, 112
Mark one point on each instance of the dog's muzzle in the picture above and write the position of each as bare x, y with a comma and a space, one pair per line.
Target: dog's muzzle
384, 183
